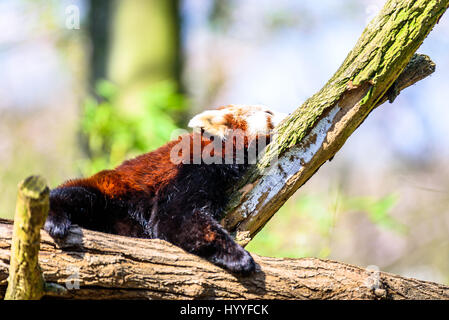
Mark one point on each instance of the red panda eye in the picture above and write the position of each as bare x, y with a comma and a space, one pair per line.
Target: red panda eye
269, 112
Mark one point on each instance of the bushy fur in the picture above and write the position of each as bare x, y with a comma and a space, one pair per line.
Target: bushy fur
152, 197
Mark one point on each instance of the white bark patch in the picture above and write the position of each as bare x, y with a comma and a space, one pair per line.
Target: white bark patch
288, 165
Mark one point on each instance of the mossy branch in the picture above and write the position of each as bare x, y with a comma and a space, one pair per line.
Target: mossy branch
318, 129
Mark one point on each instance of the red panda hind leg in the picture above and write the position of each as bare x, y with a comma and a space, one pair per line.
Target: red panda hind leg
69, 204
193, 229
89, 208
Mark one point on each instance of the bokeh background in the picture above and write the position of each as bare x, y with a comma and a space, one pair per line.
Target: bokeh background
85, 84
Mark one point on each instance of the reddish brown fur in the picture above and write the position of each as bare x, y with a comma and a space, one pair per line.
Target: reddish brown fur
209, 235
152, 171
153, 196
235, 122
147, 173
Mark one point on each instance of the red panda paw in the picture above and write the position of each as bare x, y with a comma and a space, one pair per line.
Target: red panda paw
239, 262
57, 226
244, 266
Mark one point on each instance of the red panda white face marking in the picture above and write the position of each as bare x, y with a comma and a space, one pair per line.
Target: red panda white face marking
253, 120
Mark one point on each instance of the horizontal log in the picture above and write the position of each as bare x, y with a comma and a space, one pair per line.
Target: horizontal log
95, 265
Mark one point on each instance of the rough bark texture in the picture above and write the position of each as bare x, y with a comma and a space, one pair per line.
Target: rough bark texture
25, 277
318, 129
109, 266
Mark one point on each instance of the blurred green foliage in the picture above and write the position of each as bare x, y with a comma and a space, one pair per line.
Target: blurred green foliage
377, 210
113, 135
304, 226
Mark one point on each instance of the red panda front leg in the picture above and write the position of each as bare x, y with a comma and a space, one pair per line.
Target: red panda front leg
198, 233
213, 243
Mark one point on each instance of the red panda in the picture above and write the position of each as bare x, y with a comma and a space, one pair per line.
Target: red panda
156, 195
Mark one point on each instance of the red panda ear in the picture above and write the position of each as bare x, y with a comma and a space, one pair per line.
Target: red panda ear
213, 122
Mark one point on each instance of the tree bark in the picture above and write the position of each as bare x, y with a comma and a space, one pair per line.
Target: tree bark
94, 265
318, 129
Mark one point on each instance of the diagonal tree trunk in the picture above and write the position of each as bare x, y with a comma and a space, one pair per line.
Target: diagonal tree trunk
319, 128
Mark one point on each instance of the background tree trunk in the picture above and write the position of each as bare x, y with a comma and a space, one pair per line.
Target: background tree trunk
145, 48
98, 23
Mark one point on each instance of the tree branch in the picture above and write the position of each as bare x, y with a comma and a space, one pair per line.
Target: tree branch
319, 128
107, 266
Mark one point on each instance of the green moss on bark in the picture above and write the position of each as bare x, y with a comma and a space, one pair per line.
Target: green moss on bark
380, 55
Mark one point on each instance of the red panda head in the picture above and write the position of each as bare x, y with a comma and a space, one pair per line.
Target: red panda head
253, 121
